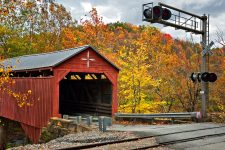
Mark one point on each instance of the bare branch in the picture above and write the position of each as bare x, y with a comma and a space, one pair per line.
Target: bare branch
220, 36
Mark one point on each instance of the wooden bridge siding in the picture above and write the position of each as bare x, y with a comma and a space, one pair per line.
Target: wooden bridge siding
32, 118
76, 64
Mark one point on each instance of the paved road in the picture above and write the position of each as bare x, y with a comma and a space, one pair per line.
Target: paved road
213, 135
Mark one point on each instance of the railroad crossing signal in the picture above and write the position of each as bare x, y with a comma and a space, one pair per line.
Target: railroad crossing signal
157, 13
207, 48
189, 22
206, 77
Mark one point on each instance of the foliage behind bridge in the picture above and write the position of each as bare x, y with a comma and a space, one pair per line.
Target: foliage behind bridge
155, 68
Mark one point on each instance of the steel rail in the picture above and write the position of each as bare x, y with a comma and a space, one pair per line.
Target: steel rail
161, 144
185, 131
104, 143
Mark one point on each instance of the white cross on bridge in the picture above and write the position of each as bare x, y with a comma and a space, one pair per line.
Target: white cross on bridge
88, 59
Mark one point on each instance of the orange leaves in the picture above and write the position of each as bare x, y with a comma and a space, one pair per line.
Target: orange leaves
95, 20
6, 87
22, 99
29, 5
52, 7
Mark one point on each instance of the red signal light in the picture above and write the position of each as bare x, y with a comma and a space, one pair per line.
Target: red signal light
166, 14
157, 12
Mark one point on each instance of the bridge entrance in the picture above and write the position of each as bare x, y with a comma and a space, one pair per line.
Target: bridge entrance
85, 93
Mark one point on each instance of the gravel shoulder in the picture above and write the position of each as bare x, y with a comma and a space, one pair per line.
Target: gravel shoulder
91, 137
78, 139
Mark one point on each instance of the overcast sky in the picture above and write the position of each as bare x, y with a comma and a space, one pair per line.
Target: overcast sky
131, 11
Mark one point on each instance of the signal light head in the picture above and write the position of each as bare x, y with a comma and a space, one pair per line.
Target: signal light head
166, 14
157, 12
206, 77
193, 77
212, 77
147, 13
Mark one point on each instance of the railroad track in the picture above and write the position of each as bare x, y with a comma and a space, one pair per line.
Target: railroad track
105, 143
154, 145
162, 144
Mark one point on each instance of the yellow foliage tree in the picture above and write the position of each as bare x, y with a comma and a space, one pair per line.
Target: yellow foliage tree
135, 80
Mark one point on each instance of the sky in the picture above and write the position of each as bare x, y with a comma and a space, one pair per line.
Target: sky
131, 11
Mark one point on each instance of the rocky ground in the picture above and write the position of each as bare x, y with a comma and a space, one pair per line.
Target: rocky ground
79, 139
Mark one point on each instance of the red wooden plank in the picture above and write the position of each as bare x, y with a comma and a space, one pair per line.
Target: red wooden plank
32, 132
33, 116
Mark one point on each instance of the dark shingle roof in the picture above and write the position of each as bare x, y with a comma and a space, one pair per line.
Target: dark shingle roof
44, 60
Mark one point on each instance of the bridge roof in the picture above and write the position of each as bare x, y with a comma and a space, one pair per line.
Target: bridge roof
45, 60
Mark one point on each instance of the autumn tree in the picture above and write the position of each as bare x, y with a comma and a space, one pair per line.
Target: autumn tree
135, 80
189, 55
217, 65
28, 27
37, 25
216, 89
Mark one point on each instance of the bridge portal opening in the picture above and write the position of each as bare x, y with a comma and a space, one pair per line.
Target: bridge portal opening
85, 94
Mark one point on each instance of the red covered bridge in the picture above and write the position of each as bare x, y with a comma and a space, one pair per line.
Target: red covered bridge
78, 80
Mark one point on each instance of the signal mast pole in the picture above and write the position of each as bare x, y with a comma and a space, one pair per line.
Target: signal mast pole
204, 68
190, 23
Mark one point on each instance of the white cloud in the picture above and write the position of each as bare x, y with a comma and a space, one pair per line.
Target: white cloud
109, 15
72, 8
110, 20
86, 6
